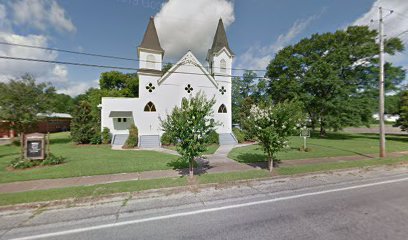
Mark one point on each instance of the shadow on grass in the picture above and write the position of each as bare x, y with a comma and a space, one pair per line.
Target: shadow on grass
251, 157
60, 141
182, 166
9, 154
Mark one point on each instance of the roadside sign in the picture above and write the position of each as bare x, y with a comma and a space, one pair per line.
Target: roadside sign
305, 133
35, 146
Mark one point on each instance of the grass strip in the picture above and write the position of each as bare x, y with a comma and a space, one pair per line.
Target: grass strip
89, 191
340, 165
232, 176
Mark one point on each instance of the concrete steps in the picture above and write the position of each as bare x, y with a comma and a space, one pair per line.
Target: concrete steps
149, 141
119, 139
227, 139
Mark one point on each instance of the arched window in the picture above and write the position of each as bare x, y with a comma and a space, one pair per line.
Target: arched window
222, 109
223, 66
150, 107
150, 61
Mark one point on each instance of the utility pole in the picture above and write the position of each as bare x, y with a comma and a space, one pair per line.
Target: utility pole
381, 86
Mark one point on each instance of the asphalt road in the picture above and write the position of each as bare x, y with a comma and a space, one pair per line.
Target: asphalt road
349, 205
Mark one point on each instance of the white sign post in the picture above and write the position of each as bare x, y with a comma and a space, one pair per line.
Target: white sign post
305, 133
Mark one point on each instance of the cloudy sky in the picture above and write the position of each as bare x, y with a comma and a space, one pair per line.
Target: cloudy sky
256, 30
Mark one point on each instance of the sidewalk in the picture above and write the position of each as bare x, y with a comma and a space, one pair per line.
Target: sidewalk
215, 163
44, 184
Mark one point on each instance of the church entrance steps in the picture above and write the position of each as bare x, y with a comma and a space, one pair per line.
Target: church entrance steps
149, 141
118, 140
227, 139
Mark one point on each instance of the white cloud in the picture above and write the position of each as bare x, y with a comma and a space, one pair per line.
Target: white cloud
258, 57
16, 68
41, 14
394, 24
76, 89
187, 24
44, 72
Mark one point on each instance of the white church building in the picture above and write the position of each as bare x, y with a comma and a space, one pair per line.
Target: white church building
160, 92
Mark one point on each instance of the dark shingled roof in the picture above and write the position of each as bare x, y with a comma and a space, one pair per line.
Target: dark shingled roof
120, 114
220, 39
151, 39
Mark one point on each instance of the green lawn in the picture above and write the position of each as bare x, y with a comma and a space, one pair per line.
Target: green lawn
210, 148
335, 144
83, 161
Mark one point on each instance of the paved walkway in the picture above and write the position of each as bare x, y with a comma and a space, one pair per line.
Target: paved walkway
215, 163
5, 141
219, 161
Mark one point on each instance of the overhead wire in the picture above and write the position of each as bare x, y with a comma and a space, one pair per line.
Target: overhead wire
108, 56
106, 66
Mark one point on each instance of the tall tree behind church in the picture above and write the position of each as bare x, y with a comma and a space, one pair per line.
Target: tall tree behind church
335, 75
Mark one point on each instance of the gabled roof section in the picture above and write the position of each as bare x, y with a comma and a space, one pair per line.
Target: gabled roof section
220, 40
187, 59
151, 39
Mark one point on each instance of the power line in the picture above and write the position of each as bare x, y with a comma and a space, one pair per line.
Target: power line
105, 66
108, 56
66, 63
69, 51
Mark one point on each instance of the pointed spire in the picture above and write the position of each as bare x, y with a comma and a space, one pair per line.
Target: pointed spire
151, 39
220, 39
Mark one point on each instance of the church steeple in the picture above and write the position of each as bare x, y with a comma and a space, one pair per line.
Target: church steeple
220, 61
150, 51
220, 40
151, 39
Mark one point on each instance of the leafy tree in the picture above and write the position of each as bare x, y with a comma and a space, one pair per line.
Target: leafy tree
106, 136
126, 84
273, 125
166, 67
248, 83
236, 99
244, 116
335, 75
133, 138
191, 124
22, 99
61, 103
403, 112
242, 88
391, 104
83, 128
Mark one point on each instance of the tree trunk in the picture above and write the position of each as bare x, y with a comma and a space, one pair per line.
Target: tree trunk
270, 164
22, 145
322, 129
191, 168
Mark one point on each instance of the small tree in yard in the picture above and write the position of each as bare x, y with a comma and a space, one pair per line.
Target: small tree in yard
403, 120
191, 124
272, 125
106, 136
133, 138
83, 124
